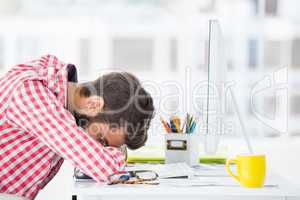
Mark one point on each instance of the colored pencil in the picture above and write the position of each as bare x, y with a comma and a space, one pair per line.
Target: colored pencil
166, 125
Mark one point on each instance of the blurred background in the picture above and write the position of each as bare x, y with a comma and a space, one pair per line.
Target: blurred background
165, 44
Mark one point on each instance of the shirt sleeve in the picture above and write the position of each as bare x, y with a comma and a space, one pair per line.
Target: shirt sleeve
35, 109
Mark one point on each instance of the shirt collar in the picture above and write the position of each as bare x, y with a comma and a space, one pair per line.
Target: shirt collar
72, 73
70, 76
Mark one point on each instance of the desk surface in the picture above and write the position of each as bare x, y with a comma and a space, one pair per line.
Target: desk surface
208, 182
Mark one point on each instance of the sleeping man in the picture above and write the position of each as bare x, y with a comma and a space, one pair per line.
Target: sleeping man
40, 103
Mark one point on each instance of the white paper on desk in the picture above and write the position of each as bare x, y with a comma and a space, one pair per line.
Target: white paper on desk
207, 182
198, 182
205, 170
172, 170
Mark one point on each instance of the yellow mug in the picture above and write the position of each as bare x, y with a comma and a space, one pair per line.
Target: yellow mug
251, 170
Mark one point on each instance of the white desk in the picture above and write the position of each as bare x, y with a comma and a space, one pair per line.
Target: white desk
223, 187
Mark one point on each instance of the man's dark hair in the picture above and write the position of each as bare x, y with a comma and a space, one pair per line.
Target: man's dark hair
126, 104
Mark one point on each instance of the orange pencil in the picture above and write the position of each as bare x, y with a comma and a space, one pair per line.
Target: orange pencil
165, 124
176, 121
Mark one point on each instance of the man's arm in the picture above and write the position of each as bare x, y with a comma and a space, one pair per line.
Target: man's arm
35, 109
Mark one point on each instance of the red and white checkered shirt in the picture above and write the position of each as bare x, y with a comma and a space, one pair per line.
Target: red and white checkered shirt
37, 132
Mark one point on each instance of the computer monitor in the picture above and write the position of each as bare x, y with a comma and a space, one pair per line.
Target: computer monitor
216, 77
217, 92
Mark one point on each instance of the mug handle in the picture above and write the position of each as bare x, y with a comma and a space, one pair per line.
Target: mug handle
228, 163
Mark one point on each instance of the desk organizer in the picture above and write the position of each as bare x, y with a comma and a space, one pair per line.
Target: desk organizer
182, 147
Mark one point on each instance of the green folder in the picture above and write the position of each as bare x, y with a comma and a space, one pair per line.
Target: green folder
154, 154
203, 160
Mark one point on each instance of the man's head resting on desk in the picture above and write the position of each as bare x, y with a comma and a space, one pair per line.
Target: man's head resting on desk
115, 109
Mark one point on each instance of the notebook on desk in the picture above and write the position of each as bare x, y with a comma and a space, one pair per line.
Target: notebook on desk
164, 171
174, 170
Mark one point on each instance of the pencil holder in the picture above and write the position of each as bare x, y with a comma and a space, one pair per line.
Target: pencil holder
182, 147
